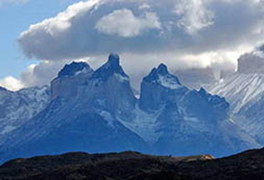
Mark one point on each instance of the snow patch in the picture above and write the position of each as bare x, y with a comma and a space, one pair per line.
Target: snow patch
239, 89
144, 124
108, 117
191, 119
83, 71
8, 129
168, 82
121, 78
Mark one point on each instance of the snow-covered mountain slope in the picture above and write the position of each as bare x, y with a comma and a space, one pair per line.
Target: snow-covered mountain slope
96, 111
244, 90
251, 118
239, 89
16, 108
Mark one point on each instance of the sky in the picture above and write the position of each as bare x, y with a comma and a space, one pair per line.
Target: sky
15, 17
39, 37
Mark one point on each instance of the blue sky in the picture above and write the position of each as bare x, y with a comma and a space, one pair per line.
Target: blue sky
39, 36
15, 18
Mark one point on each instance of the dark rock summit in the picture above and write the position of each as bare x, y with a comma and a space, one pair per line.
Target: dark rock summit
70, 70
69, 78
110, 68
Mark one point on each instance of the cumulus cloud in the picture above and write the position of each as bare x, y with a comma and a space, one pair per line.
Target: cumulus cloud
129, 25
194, 15
92, 27
180, 33
40, 74
11, 83
95, 27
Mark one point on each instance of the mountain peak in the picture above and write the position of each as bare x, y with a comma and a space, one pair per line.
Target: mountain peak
72, 69
155, 72
114, 60
69, 79
162, 76
162, 69
112, 66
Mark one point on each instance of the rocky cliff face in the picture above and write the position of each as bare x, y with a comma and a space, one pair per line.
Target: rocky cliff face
68, 80
251, 64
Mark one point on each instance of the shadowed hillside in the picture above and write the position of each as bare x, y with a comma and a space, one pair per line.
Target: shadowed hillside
132, 165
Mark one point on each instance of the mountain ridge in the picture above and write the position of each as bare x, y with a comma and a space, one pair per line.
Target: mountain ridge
97, 111
18, 107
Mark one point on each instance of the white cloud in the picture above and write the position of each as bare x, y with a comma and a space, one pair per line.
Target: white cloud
181, 33
11, 83
35, 75
62, 21
97, 27
42, 73
194, 15
125, 24
84, 29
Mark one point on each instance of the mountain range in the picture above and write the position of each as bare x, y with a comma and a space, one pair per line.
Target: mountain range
96, 111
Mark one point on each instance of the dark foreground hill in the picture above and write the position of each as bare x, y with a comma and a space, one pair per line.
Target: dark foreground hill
132, 165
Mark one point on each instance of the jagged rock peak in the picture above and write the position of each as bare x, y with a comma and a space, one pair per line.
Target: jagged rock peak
111, 67
114, 60
113, 63
162, 76
72, 69
162, 69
